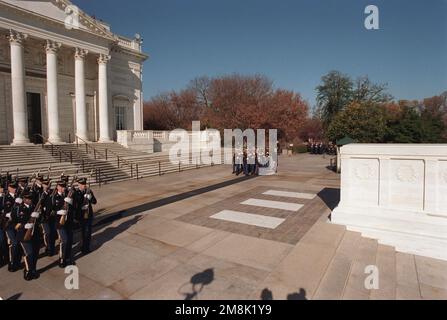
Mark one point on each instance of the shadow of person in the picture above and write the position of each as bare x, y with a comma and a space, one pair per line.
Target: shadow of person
199, 280
266, 295
98, 240
298, 295
110, 233
14, 297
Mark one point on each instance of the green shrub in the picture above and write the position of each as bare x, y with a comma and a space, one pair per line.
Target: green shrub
300, 149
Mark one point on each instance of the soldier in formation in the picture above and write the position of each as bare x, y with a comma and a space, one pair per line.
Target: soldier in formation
33, 215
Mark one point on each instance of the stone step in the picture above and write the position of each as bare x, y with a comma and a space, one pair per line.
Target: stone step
407, 282
76, 160
335, 279
355, 286
386, 264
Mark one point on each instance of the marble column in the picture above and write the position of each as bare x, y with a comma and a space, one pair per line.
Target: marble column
103, 92
19, 106
81, 108
52, 49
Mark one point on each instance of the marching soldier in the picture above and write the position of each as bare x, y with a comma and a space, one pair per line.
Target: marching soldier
4, 258
84, 199
62, 207
48, 219
245, 163
24, 220
251, 161
239, 161
11, 201
37, 190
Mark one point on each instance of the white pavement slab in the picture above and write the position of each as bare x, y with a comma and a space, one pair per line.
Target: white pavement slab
295, 195
249, 218
273, 204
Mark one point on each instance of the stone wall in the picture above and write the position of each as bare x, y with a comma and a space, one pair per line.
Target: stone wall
397, 194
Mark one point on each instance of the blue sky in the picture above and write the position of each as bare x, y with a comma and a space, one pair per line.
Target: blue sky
293, 42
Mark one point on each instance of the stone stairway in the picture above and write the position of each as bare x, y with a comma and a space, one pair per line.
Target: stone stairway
26, 161
117, 163
102, 163
329, 262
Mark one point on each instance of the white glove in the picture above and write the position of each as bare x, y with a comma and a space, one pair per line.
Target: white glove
62, 213
19, 200
8, 215
88, 196
69, 200
85, 207
29, 226
35, 215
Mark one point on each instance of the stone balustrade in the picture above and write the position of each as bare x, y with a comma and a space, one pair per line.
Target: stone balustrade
142, 140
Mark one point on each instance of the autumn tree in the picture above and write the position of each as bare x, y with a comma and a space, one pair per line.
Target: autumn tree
230, 102
171, 111
312, 129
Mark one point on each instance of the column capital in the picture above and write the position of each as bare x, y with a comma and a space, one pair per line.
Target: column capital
104, 58
80, 53
52, 46
16, 37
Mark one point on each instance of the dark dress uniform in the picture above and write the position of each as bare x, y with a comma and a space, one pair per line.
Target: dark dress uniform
4, 257
11, 234
48, 223
20, 219
84, 214
65, 230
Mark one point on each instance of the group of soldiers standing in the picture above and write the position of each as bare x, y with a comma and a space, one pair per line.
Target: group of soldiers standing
318, 147
247, 162
33, 214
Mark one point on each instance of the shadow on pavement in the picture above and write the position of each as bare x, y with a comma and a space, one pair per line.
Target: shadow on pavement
330, 196
267, 295
110, 233
168, 200
199, 280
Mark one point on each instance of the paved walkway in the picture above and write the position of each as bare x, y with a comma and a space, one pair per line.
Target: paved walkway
208, 235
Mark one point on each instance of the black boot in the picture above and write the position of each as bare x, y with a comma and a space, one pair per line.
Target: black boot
27, 275
35, 275
62, 264
12, 268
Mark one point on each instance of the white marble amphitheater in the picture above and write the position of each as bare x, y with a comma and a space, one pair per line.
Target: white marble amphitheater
65, 74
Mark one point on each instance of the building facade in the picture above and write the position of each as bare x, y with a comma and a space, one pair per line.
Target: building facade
64, 74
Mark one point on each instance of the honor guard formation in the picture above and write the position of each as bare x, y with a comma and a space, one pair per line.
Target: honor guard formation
36, 213
246, 161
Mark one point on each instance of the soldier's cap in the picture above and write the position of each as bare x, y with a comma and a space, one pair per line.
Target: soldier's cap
23, 179
28, 195
65, 178
62, 183
13, 185
45, 182
82, 181
40, 178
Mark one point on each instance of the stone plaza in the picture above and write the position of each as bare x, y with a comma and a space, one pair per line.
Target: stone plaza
214, 236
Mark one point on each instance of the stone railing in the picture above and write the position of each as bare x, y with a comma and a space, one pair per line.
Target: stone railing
128, 43
161, 135
138, 140
396, 194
